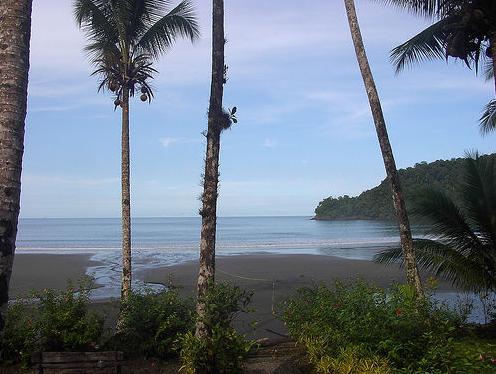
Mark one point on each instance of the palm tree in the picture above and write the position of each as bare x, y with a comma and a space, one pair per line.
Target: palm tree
463, 29
218, 121
15, 36
412, 274
462, 243
125, 38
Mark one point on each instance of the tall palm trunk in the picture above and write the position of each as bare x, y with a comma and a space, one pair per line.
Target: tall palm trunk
126, 200
412, 273
206, 275
15, 35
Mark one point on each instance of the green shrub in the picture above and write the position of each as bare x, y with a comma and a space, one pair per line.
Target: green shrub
392, 326
152, 323
52, 321
350, 360
227, 349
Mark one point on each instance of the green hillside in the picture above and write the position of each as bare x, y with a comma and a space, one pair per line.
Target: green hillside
377, 203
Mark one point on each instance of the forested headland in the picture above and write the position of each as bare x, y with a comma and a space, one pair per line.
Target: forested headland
377, 203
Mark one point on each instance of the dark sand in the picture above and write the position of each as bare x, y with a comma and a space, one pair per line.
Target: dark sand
272, 278
275, 277
39, 271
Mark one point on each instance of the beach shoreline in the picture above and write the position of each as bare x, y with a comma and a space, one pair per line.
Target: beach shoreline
272, 278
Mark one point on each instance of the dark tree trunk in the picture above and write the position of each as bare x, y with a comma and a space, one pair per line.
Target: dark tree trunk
206, 276
126, 200
412, 273
15, 35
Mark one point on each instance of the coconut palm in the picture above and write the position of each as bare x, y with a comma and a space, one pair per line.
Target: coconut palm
125, 38
218, 121
412, 274
462, 29
461, 244
15, 35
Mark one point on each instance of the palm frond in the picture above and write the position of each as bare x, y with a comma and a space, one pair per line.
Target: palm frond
179, 22
479, 197
425, 8
488, 70
487, 121
429, 44
446, 220
442, 261
93, 17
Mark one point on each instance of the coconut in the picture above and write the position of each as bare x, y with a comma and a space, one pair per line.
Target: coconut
117, 102
144, 97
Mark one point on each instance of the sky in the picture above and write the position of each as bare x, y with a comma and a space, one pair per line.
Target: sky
305, 130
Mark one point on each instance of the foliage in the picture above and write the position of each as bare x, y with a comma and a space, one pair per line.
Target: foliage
488, 118
349, 360
463, 244
364, 325
226, 350
377, 203
52, 321
125, 37
151, 323
462, 30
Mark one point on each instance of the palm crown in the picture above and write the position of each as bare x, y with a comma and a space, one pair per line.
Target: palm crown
462, 244
126, 36
462, 30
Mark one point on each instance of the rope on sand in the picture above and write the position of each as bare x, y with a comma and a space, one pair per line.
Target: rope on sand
273, 281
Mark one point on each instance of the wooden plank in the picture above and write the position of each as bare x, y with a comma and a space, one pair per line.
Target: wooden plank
81, 371
81, 365
66, 357
36, 357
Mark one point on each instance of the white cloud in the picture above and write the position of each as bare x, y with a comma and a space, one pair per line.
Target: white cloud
169, 141
270, 143
30, 180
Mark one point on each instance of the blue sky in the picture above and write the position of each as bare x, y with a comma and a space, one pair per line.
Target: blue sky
305, 130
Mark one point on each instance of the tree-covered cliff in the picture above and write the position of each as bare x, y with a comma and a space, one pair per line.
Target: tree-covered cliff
377, 203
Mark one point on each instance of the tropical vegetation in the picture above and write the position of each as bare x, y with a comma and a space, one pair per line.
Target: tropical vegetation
50, 321
125, 38
443, 175
461, 246
361, 328
462, 29
347, 328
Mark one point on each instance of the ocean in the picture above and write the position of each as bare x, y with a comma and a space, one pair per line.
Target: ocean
176, 239
158, 242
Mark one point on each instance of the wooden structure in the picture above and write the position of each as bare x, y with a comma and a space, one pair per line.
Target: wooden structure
77, 362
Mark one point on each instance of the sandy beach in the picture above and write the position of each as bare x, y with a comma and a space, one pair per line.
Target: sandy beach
275, 277
271, 277
39, 271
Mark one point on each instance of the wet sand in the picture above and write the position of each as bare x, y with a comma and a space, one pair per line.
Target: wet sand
39, 271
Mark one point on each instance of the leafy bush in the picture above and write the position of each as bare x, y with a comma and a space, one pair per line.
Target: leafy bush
226, 350
364, 324
52, 321
350, 360
152, 323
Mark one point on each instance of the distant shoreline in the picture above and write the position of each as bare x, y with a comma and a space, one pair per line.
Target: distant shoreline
357, 218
